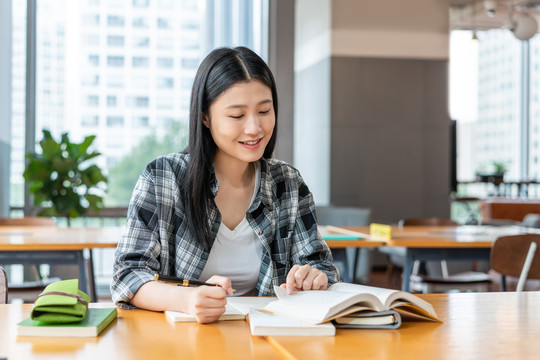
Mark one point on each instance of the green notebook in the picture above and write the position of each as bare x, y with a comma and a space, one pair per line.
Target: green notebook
95, 321
341, 237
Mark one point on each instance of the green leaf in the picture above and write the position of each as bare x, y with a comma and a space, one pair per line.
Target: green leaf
86, 143
49, 147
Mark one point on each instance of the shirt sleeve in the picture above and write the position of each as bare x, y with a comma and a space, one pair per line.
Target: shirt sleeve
308, 245
136, 256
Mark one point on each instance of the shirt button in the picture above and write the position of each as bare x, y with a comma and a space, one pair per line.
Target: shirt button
260, 232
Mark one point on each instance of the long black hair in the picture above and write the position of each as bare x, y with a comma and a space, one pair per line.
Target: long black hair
221, 69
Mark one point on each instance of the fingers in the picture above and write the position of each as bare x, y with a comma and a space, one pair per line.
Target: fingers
208, 303
222, 281
305, 278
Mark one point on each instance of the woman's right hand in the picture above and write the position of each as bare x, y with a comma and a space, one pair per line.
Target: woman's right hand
207, 303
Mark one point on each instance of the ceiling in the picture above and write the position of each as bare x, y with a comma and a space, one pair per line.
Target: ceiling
474, 14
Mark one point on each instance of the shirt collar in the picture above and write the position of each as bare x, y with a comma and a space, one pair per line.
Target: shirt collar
267, 187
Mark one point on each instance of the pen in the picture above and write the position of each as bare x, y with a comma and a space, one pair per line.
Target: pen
179, 281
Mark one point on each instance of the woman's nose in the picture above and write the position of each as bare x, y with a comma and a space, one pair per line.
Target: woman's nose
253, 125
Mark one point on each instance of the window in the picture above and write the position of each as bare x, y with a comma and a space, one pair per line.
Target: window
189, 63
90, 120
93, 60
115, 61
163, 23
115, 20
141, 3
111, 101
140, 22
140, 61
115, 81
141, 41
165, 83
90, 80
115, 40
488, 102
138, 101
115, 121
140, 121
130, 74
166, 63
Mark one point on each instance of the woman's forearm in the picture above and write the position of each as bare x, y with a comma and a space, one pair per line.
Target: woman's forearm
157, 296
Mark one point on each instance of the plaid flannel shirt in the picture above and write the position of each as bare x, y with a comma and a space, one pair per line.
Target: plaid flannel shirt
157, 238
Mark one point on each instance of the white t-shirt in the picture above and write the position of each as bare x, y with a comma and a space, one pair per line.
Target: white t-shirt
237, 253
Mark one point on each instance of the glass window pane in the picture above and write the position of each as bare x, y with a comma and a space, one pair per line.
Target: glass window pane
124, 71
485, 80
18, 98
534, 110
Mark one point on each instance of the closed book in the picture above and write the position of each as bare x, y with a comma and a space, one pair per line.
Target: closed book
369, 320
237, 308
95, 321
230, 314
263, 323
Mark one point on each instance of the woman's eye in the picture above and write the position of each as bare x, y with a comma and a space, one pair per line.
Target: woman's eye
236, 116
264, 112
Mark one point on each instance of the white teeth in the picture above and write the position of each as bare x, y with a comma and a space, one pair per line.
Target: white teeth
250, 142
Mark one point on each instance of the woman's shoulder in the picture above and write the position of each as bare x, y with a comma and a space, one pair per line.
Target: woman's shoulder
174, 162
280, 170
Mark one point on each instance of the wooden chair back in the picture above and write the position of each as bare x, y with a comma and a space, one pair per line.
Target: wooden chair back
429, 221
3, 286
28, 221
508, 255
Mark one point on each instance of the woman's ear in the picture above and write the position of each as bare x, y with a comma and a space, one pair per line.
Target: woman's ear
205, 121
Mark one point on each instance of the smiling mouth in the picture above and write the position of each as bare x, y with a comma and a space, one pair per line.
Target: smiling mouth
252, 142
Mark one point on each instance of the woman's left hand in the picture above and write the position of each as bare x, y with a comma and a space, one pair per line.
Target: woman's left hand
305, 278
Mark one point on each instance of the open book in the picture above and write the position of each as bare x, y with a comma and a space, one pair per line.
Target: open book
343, 299
237, 308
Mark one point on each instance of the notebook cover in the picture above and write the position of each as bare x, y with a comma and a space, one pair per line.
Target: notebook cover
95, 321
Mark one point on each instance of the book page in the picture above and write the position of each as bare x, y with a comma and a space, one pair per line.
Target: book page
381, 293
244, 303
390, 298
317, 306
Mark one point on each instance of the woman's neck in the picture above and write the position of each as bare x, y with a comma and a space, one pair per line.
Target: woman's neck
234, 173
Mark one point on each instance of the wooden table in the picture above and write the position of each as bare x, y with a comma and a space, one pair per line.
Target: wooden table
444, 243
51, 245
136, 334
476, 326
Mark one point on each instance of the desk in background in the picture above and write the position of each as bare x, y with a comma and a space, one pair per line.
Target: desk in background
476, 326
438, 243
508, 209
38, 245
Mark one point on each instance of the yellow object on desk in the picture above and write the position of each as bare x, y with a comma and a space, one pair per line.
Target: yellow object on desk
380, 231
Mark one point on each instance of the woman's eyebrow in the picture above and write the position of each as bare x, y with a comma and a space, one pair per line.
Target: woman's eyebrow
234, 106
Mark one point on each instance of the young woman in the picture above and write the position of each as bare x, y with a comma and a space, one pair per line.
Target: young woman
223, 212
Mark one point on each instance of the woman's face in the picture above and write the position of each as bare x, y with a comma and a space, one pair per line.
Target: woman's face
241, 121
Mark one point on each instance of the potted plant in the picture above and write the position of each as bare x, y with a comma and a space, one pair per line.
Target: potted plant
62, 180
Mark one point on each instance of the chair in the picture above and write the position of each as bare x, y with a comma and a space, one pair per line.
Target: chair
29, 290
347, 216
515, 256
3, 286
463, 281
